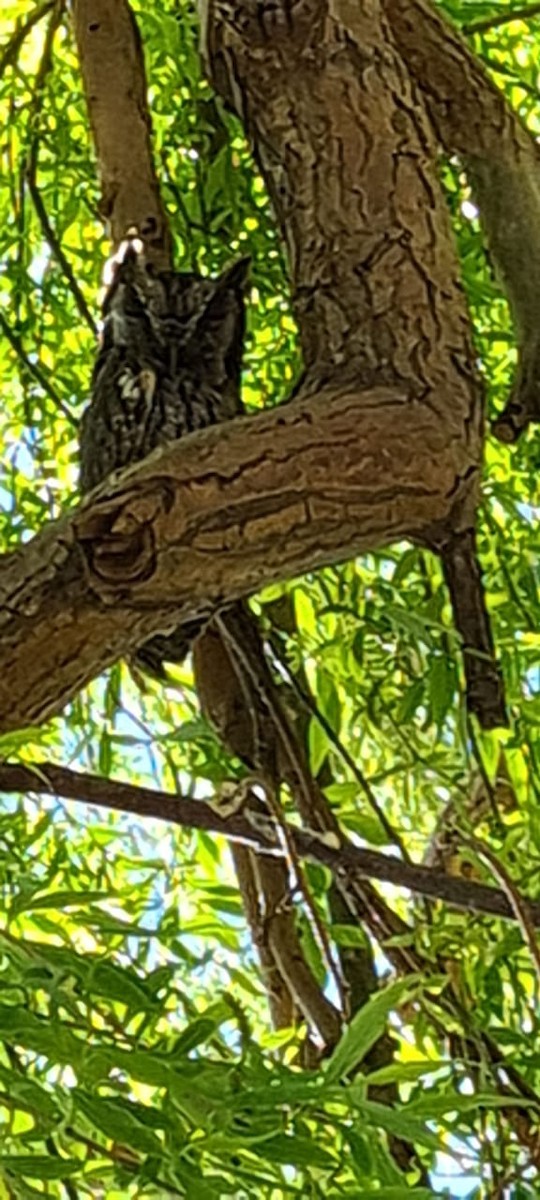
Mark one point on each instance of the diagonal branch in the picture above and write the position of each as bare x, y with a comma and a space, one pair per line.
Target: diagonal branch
484, 24
33, 370
210, 519
344, 860
32, 162
57, 249
10, 51
461, 567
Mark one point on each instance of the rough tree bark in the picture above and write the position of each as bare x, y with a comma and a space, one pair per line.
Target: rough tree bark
471, 118
347, 153
384, 439
212, 518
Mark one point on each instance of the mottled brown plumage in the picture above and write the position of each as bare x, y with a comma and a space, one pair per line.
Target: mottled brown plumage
169, 364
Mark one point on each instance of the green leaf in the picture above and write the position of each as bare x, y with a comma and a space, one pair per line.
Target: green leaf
400, 1072
51, 1038
118, 1121
366, 1027
399, 1123
297, 1152
317, 744
67, 898
120, 984
441, 684
328, 700
437, 1105
350, 935
196, 1032
39, 1166
412, 698
400, 1193
411, 622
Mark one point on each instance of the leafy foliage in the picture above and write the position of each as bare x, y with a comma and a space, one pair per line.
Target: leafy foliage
135, 1054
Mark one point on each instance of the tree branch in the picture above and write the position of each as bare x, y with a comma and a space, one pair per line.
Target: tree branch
485, 693
339, 470
485, 24
112, 64
281, 1003
33, 370
472, 118
8, 57
343, 860
351, 173
212, 518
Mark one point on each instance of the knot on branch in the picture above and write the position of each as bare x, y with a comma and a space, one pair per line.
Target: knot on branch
117, 538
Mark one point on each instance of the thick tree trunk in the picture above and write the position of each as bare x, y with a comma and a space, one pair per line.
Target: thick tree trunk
349, 160
348, 156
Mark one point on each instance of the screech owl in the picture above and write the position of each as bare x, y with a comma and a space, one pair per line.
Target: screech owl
169, 364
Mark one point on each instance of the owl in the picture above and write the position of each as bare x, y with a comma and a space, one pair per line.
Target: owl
169, 364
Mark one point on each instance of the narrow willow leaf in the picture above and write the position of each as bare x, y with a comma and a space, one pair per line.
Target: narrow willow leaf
365, 1028
39, 1166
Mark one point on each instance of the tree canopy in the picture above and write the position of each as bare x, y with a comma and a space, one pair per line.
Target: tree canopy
315, 972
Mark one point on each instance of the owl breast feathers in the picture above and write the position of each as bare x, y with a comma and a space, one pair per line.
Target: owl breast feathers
169, 364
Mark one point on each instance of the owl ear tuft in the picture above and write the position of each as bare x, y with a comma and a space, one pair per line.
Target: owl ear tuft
225, 304
236, 276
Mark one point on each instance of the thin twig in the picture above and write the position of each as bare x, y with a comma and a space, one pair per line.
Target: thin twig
34, 370
9, 54
239, 658
519, 905
31, 170
310, 704
530, 620
484, 24
508, 73
490, 790
56, 247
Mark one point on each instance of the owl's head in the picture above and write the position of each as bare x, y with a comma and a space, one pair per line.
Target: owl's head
202, 320
192, 321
